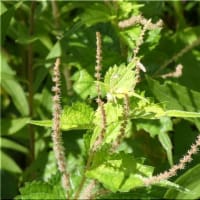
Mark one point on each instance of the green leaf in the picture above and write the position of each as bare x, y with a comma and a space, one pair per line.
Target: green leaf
154, 127
96, 13
40, 190
44, 123
77, 116
167, 145
6, 143
12, 126
114, 114
55, 52
84, 84
158, 128
177, 97
14, 89
9, 164
5, 19
119, 81
189, 180
183, 114
124, 172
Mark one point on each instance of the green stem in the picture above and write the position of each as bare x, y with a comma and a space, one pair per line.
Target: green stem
91, 155
30, 86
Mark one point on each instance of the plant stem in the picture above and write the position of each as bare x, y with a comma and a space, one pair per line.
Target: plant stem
30, 86
84, 177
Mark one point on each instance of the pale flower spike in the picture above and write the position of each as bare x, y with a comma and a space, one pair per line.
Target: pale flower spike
173, 171
56, 134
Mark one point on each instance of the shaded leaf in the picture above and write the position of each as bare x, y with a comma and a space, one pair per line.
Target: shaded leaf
9, 144
9, 164
12, 126
14, 89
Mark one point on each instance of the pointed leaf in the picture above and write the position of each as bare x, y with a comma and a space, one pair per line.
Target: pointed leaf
120, 80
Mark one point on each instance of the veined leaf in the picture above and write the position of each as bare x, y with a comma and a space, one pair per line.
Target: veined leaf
114, 114
177, 97
77, 116
96, 13
124, 172
120, 80
40, 190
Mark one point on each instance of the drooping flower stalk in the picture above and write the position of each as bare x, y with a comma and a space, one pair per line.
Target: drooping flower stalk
139, 20
181, 165
56, 134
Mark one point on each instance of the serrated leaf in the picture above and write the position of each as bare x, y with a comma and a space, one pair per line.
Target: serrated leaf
113, 123
77, 116
189, 180
120, 80
40, 190
124, 172
84, 84
177, 97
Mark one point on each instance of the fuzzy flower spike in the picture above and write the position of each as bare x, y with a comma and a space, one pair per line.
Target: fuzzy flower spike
56, 134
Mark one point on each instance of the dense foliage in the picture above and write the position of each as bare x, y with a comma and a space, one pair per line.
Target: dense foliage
132, 116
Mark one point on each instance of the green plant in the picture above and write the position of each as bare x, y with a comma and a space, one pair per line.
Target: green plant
111, 125
116, 157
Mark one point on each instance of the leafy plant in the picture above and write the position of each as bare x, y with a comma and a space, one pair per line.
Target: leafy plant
119, 134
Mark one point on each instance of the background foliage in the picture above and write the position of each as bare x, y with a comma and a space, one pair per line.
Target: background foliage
34, 33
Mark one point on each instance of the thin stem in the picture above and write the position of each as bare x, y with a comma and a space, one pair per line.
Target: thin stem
30, 79
179, 54
91, 154
67, 73
55, 13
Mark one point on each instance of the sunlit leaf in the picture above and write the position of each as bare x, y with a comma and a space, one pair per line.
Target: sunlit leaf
123, 170
120, 80
77, 116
